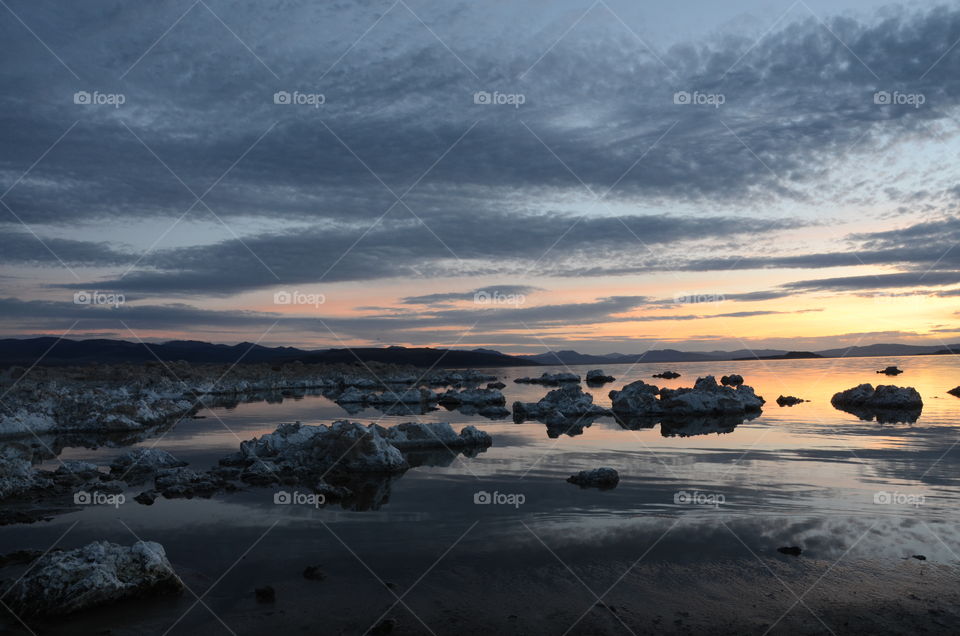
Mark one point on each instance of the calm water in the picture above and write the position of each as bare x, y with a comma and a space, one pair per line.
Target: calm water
806, 475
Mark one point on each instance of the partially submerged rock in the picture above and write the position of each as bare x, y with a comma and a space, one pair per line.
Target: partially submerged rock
603, 478
550, 379
424, 435
597, 376
667, 375
298, 453
496, 385
566, 402
97, 574
955, 392
892, 370
639, 399
476, 397
143, 460
886, 403
788, 400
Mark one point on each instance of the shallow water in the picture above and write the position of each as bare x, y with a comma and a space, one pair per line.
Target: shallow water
806, 475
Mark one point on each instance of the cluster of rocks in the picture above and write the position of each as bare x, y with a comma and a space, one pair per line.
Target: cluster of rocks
558, 406
640, 399
885, 403
310, 455
126, 397
487, 402
550, 379
353, 395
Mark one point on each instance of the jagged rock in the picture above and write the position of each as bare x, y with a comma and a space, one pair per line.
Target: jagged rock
597, 478
731, 380
640, 400
410, 396
184, 482
17, 476
548, 379
97, 574
565, 402
420, 435
352, 395
636, 399
144, 459
597, 376
788, 400
667, 375
886, 403
477, 397
708, 398
892, 370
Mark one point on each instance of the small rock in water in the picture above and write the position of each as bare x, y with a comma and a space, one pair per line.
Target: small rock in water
596, 478
788, 400
597, 376
265, 594
955, 391
384, 627
891, 371
313, 573
919, 557
667, 375
146, 498
496, 385
791, 550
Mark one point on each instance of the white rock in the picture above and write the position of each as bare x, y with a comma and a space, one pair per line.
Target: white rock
97, 574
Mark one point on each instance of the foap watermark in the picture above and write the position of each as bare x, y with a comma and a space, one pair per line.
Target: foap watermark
112, 299
896, 98
494, 297
298, 298
96, 98
697, 498
496, 98
497, 498
696, 98
297, 498
885, 498
296, 98
96, 498
697, 298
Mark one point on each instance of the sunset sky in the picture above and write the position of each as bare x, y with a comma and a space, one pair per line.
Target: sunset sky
600, 176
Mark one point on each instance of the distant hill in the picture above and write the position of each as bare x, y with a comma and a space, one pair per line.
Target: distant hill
885, 350
60, 352
790, 355
662, 355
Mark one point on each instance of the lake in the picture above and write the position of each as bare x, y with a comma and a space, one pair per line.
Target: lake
693, 505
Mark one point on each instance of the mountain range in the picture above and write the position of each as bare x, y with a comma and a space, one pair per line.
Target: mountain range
52, 351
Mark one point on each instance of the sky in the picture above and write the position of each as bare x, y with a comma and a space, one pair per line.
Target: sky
602, 176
